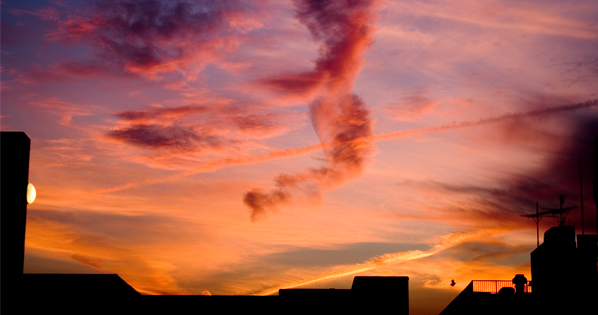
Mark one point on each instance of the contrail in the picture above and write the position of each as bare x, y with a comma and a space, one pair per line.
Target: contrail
485, 121
446, 242
210, 166
275, 154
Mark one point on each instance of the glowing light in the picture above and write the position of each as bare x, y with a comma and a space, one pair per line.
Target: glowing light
31, 193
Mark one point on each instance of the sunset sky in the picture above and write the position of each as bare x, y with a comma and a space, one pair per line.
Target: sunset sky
239, 147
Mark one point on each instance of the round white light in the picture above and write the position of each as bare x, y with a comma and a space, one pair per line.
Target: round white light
31, 193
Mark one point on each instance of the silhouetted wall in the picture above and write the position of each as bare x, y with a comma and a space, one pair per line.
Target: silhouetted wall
367, 295
14, 171
553, 262
377, 291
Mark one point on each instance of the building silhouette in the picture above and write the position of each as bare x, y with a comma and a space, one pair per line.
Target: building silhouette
108, 293
564, 281
564, 277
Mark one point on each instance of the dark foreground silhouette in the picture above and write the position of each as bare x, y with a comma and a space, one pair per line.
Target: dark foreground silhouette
565, 274
565, 281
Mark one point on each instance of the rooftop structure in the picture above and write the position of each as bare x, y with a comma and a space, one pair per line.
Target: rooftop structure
564, 280
564, 274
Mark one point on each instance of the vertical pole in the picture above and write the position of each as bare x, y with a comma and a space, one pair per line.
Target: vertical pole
595, 181
581, 197
537, 227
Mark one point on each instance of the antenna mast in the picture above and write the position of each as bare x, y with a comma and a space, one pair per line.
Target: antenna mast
581, 198
536, 218
560, 214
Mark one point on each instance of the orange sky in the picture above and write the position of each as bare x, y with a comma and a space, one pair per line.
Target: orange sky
236, 147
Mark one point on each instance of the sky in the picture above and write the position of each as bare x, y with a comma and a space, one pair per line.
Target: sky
240, 147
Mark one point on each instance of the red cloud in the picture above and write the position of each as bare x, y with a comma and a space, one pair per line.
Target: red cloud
340, 118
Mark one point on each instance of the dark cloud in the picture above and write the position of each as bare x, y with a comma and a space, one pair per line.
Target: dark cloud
299, 84
143, 34
170, 112
558, 175
156, 137
343, 26
344, 29
193, 127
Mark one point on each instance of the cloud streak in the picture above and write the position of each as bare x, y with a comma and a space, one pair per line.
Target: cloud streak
217, 126
485, 121
313, 178
340, 118
180, 138
105, 242
261, 202
446, 242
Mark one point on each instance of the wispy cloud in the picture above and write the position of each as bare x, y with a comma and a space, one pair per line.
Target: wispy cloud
445, 242
412, 106
104, 242
203, 130
309, 184
557, 19
66, 110
485, 121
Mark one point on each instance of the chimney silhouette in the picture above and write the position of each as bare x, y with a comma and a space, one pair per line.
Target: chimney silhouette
520, 281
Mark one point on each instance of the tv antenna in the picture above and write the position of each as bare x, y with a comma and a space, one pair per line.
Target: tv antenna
560, 214
537, 216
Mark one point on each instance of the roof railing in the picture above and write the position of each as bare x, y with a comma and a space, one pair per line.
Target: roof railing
494, 286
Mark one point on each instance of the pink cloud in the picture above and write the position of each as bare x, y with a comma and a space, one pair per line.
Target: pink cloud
66, 110
412, 107
340, 118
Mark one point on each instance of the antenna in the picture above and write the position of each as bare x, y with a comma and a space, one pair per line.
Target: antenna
536, 218
581, 198
561, 213
595, 181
